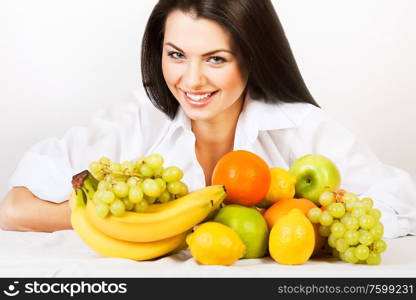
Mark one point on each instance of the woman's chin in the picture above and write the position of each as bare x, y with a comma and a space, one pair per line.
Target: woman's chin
199, 115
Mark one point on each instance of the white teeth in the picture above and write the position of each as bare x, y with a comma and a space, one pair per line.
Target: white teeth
198, 97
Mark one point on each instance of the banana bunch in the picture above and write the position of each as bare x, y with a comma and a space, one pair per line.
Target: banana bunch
160, 230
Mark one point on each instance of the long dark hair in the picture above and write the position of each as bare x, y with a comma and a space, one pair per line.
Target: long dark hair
257, 36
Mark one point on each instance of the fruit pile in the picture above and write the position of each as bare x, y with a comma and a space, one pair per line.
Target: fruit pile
141, 210
130, 232
134, 186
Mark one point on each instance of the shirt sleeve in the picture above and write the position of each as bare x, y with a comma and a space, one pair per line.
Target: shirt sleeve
392, 189
47, 167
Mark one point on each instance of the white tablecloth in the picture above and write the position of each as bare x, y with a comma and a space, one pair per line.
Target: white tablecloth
63, 254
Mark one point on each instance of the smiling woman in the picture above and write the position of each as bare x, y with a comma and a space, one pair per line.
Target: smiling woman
218, 76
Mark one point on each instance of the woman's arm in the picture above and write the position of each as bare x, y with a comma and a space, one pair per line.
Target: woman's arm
23, 211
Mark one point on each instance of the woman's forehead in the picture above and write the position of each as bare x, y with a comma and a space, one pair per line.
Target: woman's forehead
193, 34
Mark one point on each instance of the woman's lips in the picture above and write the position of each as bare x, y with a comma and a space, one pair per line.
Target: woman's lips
199, 103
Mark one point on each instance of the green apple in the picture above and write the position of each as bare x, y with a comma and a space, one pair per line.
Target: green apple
315, 174
249, 224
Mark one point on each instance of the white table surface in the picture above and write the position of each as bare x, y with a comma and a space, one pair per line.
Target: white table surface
63, 254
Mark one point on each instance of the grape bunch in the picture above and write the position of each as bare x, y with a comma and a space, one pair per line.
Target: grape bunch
133, 186
351, 225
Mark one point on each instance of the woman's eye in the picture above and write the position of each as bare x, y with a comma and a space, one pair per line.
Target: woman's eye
175, 55
216, 60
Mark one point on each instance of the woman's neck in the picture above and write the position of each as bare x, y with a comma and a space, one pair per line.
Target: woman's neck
220, 131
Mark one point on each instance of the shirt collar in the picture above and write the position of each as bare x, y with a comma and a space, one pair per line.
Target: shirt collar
255, 116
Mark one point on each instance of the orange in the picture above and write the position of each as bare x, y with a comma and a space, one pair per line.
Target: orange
282, 207
245, 175
292, 238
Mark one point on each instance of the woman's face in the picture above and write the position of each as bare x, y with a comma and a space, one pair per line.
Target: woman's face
199, 67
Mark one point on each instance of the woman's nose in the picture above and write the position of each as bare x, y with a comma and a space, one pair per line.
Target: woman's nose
194, 76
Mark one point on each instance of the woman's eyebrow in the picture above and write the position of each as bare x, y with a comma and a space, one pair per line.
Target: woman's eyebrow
205, 54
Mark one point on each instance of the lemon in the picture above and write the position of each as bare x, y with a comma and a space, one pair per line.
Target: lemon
292, 239
213, 243
282, 186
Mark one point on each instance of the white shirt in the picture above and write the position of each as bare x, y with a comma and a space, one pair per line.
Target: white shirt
279, 133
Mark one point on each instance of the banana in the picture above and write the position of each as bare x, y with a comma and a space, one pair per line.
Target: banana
110, 247
161, 221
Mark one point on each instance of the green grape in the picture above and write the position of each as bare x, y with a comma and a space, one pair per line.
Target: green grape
109, 178
161, 183
341, 245
367, 203
151, 188
117, 208
373, 259
174, 187
325, 219
121, 189
141, 206
349, 255
349, 198
324, 231
149, 199
337, 210
98, 197
380, 246
357, 211
349, 206
332, 240
146, 171
164, 197
157, 173
135, 194
95, 167
352, 223
367, 222
366, 238
154, 160
127, 167
103, 185
108, 197
102, 210
375, 213
377, 231
345, 218
115, 167
132, 181
362, 252
128, 204
314, 214
352, 237
326, 198
361, 205
184, 189
105, 161
338, 229
172, 174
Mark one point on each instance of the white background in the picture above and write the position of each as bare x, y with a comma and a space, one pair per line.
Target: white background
61, 60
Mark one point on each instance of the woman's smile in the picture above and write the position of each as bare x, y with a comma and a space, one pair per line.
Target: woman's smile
199, 99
